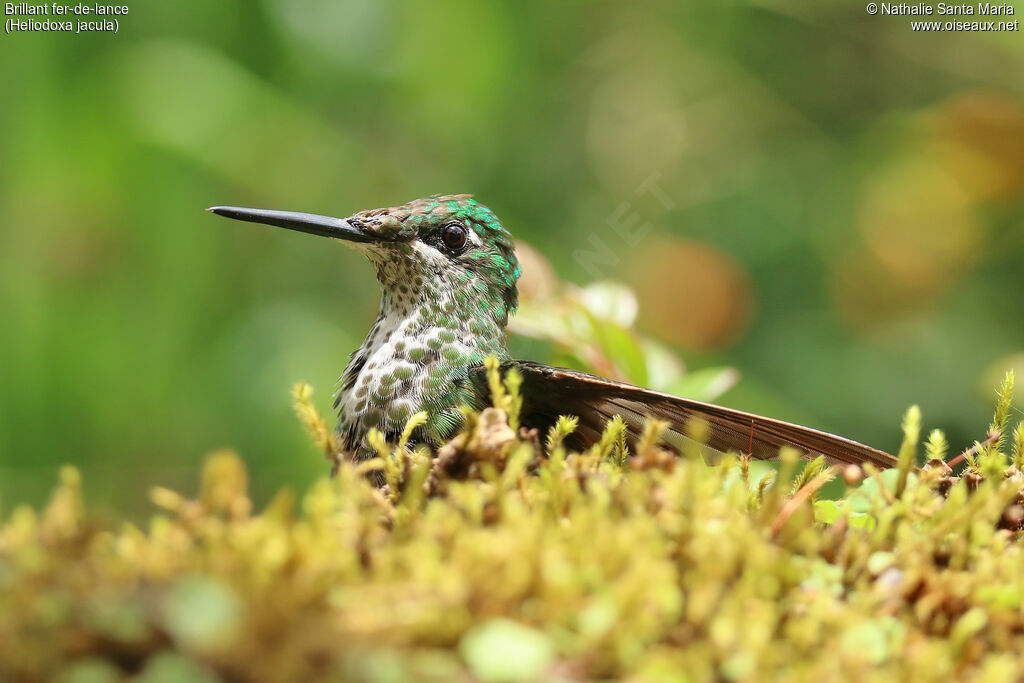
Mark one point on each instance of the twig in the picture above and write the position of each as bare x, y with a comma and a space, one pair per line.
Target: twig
805, 492
990, 438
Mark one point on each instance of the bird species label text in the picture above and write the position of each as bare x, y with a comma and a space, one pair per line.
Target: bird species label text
24, 17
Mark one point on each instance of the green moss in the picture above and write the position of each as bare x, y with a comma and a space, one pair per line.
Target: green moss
498, 560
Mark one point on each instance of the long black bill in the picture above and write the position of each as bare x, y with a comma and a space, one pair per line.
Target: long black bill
325, 226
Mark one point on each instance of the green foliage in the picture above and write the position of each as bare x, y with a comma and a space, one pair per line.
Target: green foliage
591, 328
500, 560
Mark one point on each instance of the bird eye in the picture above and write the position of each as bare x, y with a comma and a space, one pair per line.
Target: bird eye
454, 236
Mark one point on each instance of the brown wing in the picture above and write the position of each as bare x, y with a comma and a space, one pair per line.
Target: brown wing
550, 392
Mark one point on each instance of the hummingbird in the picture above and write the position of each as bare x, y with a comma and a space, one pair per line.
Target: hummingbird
447, 270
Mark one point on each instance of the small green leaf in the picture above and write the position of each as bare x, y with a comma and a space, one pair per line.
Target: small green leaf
874, 640
90, 671
706, 384
505, 650
623, 348
828, 511
868, 494
879, 561
664, 367
862, 520
202, 613
610, 301
169, 667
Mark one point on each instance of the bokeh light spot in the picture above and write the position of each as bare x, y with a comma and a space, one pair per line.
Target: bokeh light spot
690, 293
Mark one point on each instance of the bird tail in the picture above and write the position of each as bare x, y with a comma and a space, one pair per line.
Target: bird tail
550, 392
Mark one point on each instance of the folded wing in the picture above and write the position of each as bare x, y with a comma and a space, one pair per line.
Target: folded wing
550, 392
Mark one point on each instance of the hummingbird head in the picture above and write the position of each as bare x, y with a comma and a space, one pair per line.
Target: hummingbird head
448, 253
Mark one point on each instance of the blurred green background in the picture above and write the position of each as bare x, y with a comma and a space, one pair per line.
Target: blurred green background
839, 214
